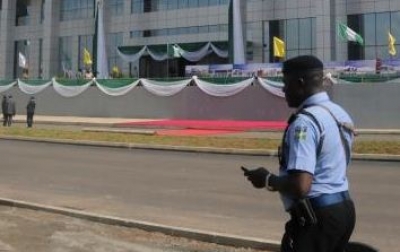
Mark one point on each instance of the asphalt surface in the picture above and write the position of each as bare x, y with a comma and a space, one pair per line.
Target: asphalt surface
78, 125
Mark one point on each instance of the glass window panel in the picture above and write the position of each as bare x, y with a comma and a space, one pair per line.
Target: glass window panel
163, 5
183, 4
395, 25
292, 37
382, 28
136, 34
369, 29
73, 9
291, 53
116, 7
213, 28
172, 4
305, 52
203, 3
90, 4
314, 37
369, 52
137, 6
65, 54
171, 31
193, 3
114, 40
185, 30
194, 30
382, 52
203, 29
84, 3
163, 32
213, 2
305, 33
223, 28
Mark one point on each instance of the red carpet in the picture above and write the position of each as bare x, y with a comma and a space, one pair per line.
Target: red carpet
208, 125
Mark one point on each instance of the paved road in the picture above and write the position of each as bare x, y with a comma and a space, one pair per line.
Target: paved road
202, 191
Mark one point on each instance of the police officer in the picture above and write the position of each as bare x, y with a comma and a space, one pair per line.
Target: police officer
314, 156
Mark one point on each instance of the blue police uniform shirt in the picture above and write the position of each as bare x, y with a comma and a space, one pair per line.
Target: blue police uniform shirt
301, 143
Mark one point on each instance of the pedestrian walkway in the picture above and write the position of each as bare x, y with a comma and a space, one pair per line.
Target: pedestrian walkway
105, 121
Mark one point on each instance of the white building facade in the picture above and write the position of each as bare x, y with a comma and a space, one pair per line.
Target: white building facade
52, 34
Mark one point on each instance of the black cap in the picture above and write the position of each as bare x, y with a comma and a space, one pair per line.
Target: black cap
302, 63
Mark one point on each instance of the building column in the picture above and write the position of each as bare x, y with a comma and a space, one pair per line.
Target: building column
341, 17
236, 30
50, 39
7, 25
323, 29
329, 13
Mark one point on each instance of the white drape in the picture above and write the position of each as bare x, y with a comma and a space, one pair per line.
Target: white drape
161, 88
117, 91
160, 56
70, 91
224, 89
219, 52
4, 88
132, 57
32, 89
197, 55
273, 87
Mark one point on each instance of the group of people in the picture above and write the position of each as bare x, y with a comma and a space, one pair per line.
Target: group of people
9, 110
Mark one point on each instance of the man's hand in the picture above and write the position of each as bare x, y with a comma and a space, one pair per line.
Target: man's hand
257, 176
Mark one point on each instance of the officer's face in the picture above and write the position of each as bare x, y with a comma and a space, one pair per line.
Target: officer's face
293, 90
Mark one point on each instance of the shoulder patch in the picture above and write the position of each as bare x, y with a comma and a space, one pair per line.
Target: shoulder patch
300, 133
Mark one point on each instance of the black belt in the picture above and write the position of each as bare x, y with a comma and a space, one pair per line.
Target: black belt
329, 199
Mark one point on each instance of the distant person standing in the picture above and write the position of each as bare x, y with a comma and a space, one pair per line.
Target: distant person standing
11, 110
30, 111
4, 105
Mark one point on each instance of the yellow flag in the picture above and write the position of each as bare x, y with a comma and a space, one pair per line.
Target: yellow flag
392, 47
279, 48
87, 59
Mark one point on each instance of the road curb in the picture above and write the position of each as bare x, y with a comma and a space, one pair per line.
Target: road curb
225, 151
194, 234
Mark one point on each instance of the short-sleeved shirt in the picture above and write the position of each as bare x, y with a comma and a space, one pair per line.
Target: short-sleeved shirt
329, 165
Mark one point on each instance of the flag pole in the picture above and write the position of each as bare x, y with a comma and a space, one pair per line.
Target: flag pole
167, 60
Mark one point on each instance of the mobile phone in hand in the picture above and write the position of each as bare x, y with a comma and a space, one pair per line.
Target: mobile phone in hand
245, 170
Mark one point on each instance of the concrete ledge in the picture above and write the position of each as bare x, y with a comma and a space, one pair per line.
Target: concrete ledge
120, 130
200, 235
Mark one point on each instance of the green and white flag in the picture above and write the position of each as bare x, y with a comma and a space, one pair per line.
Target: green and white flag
348, 34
